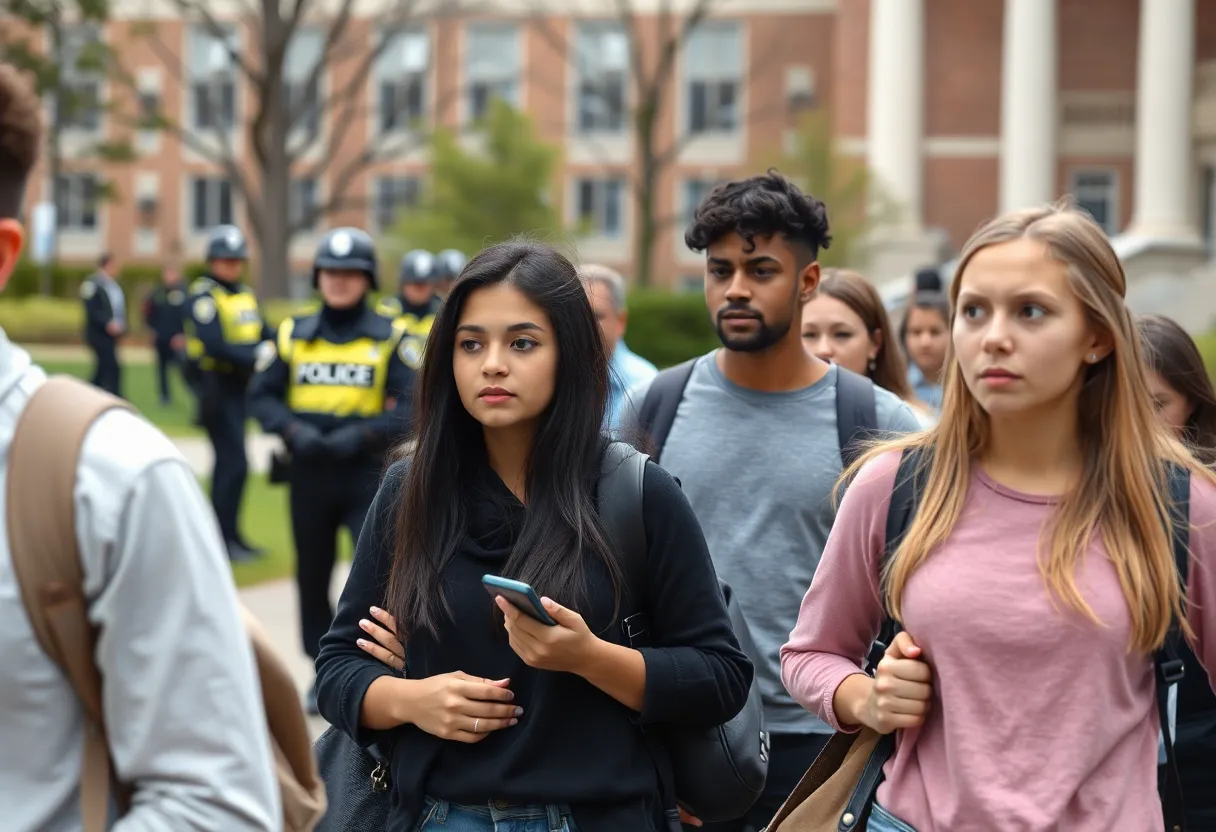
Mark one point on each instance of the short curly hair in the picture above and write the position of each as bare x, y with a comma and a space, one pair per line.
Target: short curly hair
763, 205
20, 137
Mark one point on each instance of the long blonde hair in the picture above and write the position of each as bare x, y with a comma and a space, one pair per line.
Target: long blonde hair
1122, 492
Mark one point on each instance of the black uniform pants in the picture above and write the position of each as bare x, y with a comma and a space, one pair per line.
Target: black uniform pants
790, 755
106, 373
166, 357
222, 411
323, 499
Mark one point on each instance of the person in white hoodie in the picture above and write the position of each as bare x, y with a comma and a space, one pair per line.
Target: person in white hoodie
182, 705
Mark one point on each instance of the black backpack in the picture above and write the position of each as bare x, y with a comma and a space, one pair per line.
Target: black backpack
856, 417
715, 773
1170, 669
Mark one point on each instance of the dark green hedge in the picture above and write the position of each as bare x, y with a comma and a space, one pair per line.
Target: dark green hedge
66, 279
668, 328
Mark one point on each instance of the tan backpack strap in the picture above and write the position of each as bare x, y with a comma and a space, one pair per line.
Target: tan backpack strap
41, 513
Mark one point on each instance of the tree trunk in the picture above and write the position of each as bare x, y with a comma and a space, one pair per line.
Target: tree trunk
274, 238
644, 233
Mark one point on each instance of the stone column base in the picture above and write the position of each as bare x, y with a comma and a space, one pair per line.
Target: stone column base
891, 257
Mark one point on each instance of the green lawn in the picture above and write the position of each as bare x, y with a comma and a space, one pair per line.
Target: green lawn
139, 386
265, 521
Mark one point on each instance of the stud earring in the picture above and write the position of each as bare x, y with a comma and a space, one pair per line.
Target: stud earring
873, 365
1093, 358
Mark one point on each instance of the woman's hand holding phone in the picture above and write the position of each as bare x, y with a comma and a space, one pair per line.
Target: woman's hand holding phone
567, 647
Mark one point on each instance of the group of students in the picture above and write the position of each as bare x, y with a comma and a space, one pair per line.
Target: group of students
1033, 586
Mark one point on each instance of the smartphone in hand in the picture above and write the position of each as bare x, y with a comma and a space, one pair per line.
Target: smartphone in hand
522, 596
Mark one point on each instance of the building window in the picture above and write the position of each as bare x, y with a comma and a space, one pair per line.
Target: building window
401, 81
602, 51
79, 98
601, 206
76, 202
712, 73
695, 191
393, 194
211, 203
492, 66
1097, 192
302, 204
301, 91
212, 79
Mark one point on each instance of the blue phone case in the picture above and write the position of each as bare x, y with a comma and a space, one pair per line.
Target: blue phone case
520, 594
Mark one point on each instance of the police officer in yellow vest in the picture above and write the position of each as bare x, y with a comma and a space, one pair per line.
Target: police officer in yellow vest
416, 302
337, 390
225, 332
449, 263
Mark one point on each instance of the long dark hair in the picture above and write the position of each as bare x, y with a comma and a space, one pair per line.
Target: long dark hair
854, 291
561, 532
1173, 355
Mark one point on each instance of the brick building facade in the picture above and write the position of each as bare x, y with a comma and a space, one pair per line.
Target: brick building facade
961, 108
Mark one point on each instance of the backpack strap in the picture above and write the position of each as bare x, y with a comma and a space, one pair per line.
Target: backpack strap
1169, 666
619, 502
40, 510
905, 499
658, 410
856, 413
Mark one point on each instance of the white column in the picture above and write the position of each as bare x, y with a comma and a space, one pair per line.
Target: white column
1164, 94
1028, 104
895, 106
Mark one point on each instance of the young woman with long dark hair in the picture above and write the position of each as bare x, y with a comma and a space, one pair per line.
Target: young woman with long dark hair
1181, 387
1037, 577
501, 722
1186, 404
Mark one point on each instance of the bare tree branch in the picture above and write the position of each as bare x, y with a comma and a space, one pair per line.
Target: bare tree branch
217, 31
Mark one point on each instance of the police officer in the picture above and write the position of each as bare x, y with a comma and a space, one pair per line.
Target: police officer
164, 314
105, 315
336, 388
448, 266
416, 301
224, 333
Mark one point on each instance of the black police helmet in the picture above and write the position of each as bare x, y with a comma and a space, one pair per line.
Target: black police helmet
226, 242
451, 263
418, 266
348, 249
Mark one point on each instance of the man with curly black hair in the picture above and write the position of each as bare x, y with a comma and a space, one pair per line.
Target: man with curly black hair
758, 433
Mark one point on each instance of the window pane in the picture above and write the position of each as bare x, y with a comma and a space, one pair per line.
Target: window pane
198, 215
712, 51
303, 54
586, 199
225, 206
612, 208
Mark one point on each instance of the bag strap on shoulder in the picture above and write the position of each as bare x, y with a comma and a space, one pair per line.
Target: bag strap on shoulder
856, 413
619, 501
1167, 661
905, 499
657, 412
41, 515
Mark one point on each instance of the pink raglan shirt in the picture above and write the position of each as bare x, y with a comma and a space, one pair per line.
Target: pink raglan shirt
1040, 719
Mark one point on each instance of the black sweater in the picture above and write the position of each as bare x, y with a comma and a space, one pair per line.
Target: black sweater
575, 744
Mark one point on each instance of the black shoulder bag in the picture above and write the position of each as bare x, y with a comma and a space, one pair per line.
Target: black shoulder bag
718, 772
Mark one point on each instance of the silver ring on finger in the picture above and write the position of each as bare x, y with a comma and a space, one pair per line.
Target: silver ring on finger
476, 723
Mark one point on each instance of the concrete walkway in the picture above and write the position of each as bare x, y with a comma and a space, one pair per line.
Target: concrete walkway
274, 603
258, 447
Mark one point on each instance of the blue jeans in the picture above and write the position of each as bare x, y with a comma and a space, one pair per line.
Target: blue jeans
495, 816
883, 821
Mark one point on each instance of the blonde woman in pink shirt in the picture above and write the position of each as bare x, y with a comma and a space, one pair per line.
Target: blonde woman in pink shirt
1037, 578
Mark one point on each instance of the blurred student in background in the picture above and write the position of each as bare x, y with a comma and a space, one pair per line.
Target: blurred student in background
846, 323
924, 333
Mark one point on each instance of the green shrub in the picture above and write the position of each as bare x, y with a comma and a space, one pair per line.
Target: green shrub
136, 279
668, 328
1207, 348
35, 320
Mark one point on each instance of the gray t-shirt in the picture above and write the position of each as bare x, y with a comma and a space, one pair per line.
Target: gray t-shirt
759, 470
